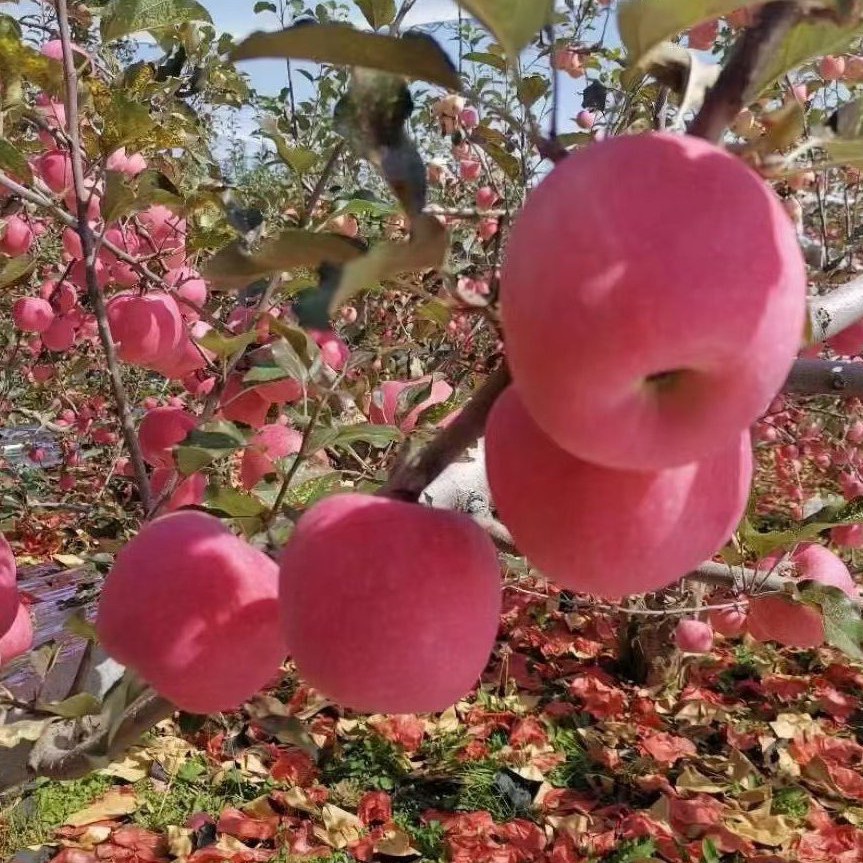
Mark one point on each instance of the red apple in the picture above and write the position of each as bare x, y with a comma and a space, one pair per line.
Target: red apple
193, 610
694, 636
387, 606
604, 531
160, 431
8, 588
617, 355
18, 639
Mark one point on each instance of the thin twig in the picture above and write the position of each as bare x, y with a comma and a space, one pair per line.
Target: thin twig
88, 246
318, 190
734, 88
406, 7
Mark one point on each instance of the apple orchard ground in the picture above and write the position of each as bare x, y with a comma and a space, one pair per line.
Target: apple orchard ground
749, 753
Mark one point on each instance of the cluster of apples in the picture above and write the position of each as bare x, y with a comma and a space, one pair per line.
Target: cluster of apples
384, 606
771, 616
653, 301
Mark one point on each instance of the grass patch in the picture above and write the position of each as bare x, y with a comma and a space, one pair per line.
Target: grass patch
32, 819
372, 762
192, 790
792, 802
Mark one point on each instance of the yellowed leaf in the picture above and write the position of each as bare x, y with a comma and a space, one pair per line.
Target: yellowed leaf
770, 830
113, 804
340, 827
134, 767
180, 841
395, 843
691, 780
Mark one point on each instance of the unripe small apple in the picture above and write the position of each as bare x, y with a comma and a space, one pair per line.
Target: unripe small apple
389, 607
694, 636
487, 228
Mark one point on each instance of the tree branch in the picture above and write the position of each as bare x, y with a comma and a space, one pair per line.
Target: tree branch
825, 377
832, 313
94, 292
733, 89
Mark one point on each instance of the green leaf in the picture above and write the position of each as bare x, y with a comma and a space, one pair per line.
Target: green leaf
294, 361
644, 24
363, 207
413, 56
426, 249
82, 704
123, 17
512, 22
226, 346
209, 443
843, 625
265, 6
233, 503
531, 89
125, 121
486, 57
375, 435
16, 269
298, 159
13, 162
806, 40
505, 161
235, 267
378, 13
124, 196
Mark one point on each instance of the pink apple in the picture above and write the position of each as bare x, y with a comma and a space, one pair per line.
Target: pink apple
617, 358
469, 118
146, 329
831, 68
703, 35
604, 531
55, 170
32, 314
160, 431
694, 636
8, 589
17, 237
486, 197
847, 536
272, 442
190, 490
60, 335
18, 639
469, 169
585, 119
